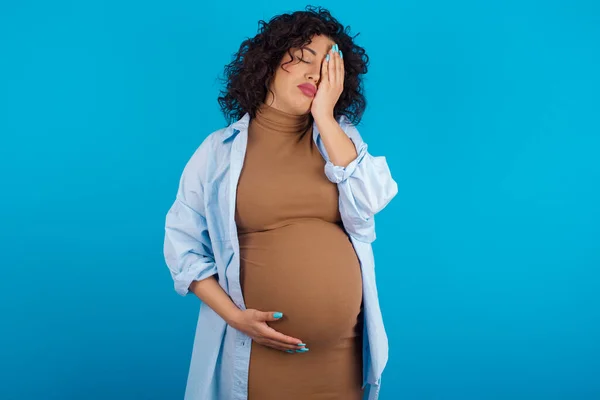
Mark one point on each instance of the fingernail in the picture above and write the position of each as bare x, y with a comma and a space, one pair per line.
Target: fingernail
301, 344
289, 351
304, 350
341, 54
327, 57
335, 47
278, 315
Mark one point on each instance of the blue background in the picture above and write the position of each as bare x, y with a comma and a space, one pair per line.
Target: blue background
487, 260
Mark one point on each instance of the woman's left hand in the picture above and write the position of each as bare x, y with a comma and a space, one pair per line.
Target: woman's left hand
331, 85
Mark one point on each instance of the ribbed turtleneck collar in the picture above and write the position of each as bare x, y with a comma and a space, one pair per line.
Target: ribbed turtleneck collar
273, 119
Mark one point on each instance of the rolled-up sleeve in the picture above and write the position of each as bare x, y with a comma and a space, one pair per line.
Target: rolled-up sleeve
187, 246
337, 174
365, 187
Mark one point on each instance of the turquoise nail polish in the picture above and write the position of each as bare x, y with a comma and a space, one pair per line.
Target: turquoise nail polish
301, 344
327, 57
277, 315
335, 47
304, 350
341, 54
289, 351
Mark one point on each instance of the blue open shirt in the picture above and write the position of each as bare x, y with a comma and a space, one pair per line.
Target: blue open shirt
201, 240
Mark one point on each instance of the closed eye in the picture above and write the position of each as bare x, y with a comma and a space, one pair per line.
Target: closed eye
303, 60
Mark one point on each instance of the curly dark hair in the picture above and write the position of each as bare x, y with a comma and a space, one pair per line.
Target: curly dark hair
247, 77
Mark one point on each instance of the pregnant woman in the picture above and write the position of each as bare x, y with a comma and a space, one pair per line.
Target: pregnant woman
273, 222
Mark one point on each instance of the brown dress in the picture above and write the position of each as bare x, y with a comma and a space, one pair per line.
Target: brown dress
297, 258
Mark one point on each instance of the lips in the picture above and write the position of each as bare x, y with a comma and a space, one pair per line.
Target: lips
308, 89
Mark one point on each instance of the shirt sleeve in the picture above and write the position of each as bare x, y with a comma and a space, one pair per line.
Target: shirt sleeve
365, 187
187, 246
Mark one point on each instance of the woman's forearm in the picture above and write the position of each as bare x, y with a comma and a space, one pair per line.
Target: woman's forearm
339, 146
212, 294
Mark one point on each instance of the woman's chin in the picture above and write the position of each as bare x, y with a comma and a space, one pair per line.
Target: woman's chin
305, 108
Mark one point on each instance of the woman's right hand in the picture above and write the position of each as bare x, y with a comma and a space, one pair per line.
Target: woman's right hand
254, 324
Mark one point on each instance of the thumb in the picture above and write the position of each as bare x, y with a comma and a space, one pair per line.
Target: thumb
272, 316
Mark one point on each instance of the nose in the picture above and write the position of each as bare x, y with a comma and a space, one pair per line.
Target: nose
315, 73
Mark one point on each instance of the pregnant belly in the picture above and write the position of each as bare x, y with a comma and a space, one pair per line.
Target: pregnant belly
309, 271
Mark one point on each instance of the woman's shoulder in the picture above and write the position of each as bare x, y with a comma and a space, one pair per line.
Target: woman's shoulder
211, 143
208, 149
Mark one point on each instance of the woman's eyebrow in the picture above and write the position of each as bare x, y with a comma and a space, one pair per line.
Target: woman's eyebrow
311, 50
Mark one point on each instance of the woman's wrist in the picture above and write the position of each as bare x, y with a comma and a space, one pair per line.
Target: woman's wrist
212, 294
233, 316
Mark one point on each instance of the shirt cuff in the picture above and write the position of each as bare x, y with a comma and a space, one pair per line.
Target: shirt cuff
338, 174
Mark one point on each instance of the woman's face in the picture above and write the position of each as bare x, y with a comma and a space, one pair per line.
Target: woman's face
304, 68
